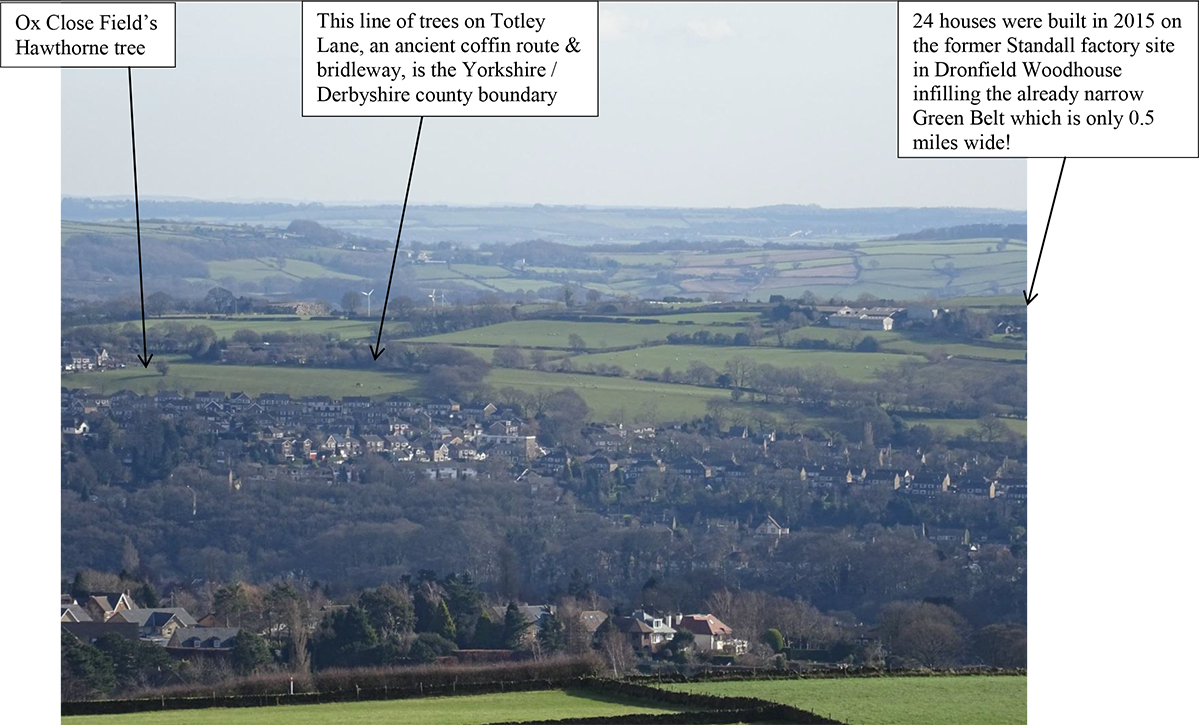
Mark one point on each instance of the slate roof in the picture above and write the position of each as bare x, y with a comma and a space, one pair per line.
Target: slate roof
203, 637
148, 617
78, 613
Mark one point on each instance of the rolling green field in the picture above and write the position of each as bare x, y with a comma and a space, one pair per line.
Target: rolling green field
703, 318
987, 302
859, 366
345, 329
905, 342
959, 426
961, 700
462, 710
983, 352
176, 232
430, 272
616, 399
256, 270
837, 337
250, 379
611, 399
556, 334
601, 335
481, 270
888, 268
893, 269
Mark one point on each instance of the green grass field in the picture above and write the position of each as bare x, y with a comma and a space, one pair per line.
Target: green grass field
556, 334
481, 270
172, 231
617, 399
610, 399
703, 318
986, 302
516, 284
256, 270
462, 710
983, 352
430, 272
906, 342
250, 379
959, 426
962, 700
850, 365
345, 329
834, 335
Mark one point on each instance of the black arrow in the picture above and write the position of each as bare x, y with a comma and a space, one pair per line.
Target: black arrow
377, 349
1028, 293
137, 213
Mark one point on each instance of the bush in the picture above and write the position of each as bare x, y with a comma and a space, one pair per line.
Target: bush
415, 678
428, 646
250, 652
774, 639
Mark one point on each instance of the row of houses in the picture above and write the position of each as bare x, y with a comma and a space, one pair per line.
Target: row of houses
281, 407
648, 631
404, 441
451, 441
78, 360
320, 427
171, 627
921, 483
186, 637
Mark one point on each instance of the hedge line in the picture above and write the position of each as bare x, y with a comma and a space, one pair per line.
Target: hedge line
415, 682
110, 707
702, 708
353, 684
822, 673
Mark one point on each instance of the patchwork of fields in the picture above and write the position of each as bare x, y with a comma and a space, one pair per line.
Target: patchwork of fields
356, 329
885, 268
830, 266
256, 270
618, 399
611, 399
860, 366
556, 334
637, 348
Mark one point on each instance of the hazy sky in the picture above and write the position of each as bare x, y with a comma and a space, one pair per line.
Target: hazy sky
700, 105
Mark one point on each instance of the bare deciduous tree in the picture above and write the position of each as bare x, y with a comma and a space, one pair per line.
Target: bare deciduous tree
618, 654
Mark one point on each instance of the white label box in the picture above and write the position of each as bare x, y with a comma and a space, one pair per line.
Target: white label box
1047, 79
464, 59
87, 35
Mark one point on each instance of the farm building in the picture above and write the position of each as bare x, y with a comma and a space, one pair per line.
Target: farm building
847, 318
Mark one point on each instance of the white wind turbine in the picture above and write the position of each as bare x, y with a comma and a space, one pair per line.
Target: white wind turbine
368, 302
433, 298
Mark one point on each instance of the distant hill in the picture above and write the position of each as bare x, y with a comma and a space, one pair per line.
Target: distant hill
563, 224
968, 231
